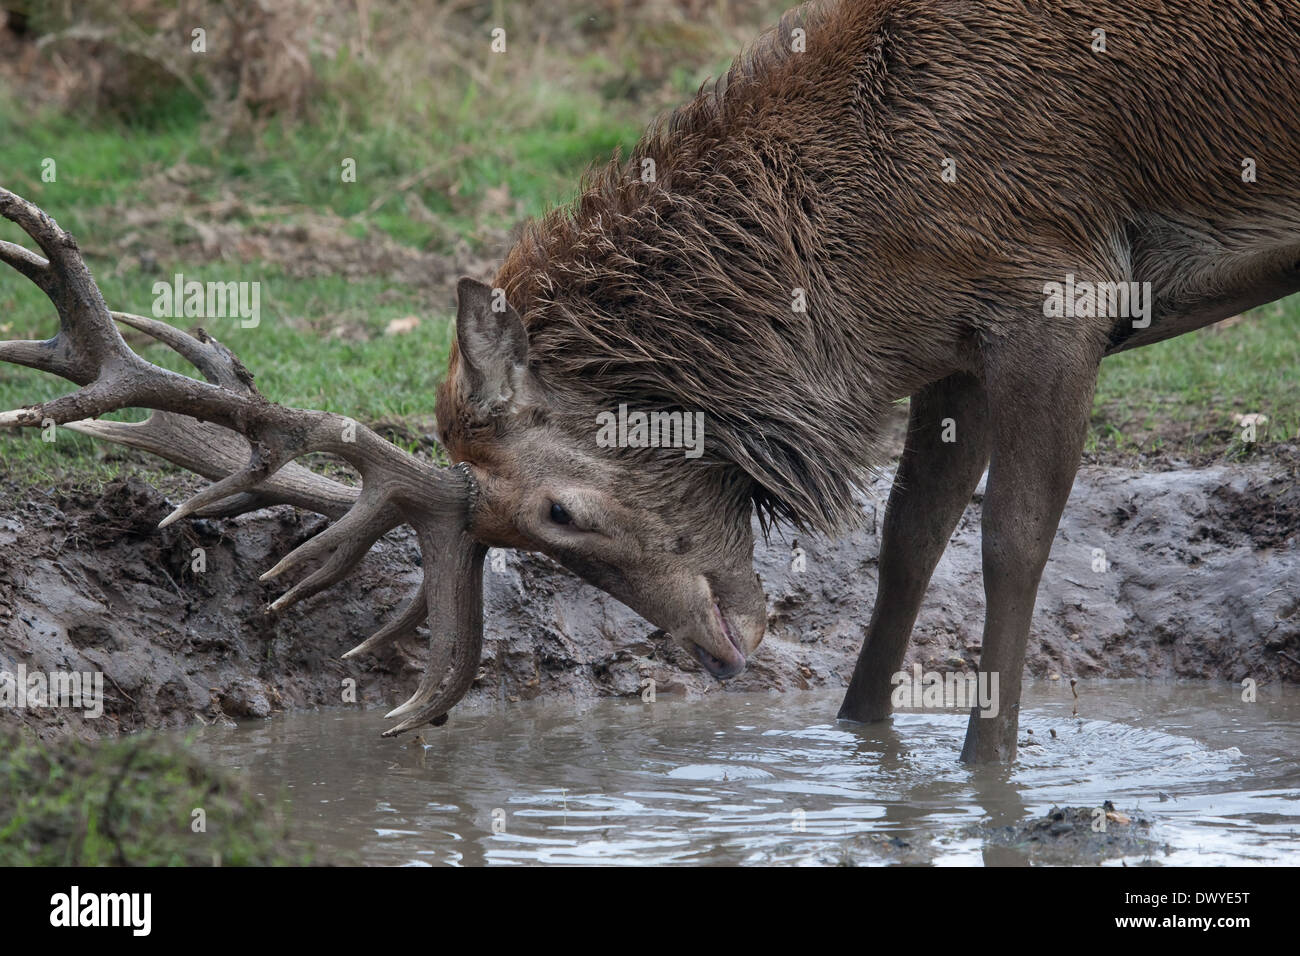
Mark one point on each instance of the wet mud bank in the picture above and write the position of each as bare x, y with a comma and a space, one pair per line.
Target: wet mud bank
1193, 572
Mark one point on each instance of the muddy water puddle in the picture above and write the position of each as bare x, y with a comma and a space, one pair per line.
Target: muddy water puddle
774, 779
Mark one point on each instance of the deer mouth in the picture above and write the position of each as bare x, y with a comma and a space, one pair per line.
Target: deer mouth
733, 662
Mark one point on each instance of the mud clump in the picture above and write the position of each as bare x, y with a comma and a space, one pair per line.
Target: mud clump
1269, 516
1071, 835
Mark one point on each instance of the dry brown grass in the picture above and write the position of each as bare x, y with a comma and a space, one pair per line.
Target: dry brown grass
282, 57
122, 56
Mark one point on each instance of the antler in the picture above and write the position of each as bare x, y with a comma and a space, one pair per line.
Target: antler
198, 425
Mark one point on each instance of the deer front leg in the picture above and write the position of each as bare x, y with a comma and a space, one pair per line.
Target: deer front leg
1039, 408
943, 458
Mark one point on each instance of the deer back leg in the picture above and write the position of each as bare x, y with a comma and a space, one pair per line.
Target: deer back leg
1040, 396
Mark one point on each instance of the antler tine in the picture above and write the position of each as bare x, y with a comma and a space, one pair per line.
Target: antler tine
25, 261
218, 364
408, 619
346, 542
87, 338
224, 429
453, 592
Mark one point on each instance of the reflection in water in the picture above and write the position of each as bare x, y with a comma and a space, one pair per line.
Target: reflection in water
768, 778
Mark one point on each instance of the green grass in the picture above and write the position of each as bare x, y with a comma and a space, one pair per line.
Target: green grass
130, 801
1181, 394
459, 155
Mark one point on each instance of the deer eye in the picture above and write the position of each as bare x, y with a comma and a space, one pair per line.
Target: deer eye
559, 515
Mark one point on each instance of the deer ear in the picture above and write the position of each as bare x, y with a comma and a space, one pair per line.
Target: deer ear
493, 347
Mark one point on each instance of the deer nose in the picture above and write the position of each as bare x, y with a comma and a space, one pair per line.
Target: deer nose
722, 670
732, 659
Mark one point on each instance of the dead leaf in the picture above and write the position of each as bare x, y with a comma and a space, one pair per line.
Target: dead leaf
496, 199
402, 326
1254, 418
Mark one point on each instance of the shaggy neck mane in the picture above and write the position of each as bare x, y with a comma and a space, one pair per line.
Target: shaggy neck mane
669, 283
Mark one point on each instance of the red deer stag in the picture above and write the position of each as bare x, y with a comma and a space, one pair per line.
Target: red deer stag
880, 199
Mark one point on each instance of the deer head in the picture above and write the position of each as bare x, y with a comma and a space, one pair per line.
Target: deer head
666, 533
665, 530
